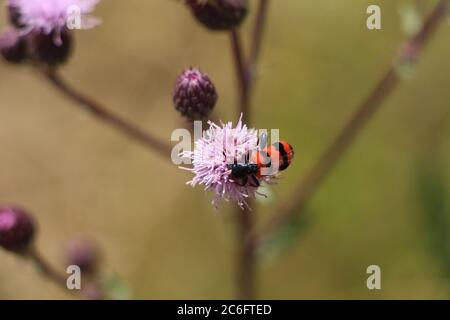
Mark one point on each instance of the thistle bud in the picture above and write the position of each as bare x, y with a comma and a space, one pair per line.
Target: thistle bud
52, 49
13, 46
219, 14
82, 253
194, 95
17, 229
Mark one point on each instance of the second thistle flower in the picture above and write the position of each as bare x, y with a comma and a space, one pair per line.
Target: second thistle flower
219, 14
45, 27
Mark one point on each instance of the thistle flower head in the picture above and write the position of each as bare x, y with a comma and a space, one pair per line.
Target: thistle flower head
219, 147
16, 229
52, 16
219, 14
194, 95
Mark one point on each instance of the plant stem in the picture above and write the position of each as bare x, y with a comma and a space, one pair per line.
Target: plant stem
54, 275
245, 71
46, 268
108, 117
240, 70
246, 263
246, 273
257, 37
345, 138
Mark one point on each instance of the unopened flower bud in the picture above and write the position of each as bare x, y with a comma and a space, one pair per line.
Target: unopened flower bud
194, 95
219, 14
13, 46
16, 229
82, 253
52, 49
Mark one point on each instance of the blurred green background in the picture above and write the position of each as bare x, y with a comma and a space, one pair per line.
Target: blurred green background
386, 203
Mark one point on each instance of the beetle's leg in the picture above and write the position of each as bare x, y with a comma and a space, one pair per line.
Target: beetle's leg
254, 181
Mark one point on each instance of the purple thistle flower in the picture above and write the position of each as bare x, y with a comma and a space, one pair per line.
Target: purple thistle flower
51, 16
219, 14
219, 147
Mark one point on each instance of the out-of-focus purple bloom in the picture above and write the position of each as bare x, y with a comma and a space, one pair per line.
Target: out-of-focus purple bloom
83, 253
13, 46
52, 16
219, 14
16, 229
219, 147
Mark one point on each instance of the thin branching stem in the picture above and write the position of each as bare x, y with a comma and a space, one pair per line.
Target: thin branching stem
245, 261
108, 117
51, 273
46, 268
309, 185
